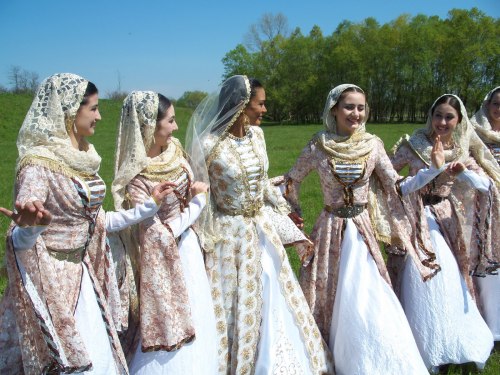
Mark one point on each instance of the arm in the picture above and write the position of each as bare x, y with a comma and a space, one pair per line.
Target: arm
118, 220
474, 180
30, 216
189, 215
303, 166
426, 175
422, 178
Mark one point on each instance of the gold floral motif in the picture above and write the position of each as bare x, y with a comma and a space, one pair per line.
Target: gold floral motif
220, 326
219, 311
250, 269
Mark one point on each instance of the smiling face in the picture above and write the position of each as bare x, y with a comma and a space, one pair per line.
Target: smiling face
444, 121
350, 113
87, 117
256, 106
493, 107
165, 127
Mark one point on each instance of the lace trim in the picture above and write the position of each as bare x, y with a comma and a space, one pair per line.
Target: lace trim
53, 165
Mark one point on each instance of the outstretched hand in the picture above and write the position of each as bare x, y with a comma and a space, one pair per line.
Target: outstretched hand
437, 153
161, 190
297, 219
455, 168
29, 214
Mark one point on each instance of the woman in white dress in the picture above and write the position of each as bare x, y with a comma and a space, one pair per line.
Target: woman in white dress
61, 304
442, 312
264, 325
346, 283
486, 122
176, 316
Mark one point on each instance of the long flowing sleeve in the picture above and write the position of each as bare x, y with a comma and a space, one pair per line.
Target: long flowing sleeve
303, 166
401, 228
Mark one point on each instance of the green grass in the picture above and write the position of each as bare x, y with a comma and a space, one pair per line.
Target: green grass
284, 144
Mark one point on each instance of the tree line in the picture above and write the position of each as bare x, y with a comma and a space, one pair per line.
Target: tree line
402, 65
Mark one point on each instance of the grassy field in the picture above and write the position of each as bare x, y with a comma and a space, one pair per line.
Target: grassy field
284, 144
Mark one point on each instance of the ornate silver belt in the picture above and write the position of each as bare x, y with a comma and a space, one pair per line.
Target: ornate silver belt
346, 212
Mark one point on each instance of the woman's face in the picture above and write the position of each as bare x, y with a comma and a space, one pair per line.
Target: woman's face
256, 108
444, 120
350, 113
165, 128
87, 117
494, 109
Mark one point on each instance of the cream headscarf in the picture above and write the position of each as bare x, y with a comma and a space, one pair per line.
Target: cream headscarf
481, 121
349, 148
466, 142
43, 138
135, 138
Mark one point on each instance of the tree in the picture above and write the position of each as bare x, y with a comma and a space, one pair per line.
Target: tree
268, 28
191, 99
23, 81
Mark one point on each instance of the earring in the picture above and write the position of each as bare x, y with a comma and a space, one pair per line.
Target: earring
246, 120
75, 132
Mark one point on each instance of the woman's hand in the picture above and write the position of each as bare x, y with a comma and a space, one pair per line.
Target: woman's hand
161, 190
437, 153
455, 168
198, 187
299, 221
29, 214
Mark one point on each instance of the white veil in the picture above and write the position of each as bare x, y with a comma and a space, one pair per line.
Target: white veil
210, 123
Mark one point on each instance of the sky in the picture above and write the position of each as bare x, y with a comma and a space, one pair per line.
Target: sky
165, 46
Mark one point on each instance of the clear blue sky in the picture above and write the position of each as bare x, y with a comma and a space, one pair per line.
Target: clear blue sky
168, 46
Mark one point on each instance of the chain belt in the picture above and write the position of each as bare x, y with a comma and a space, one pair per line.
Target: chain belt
249, 211
346, 212
71, 255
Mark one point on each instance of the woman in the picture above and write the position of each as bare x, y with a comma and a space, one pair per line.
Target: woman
444, 318
63, 323
177, 323
263, 322
486, 122
346, 283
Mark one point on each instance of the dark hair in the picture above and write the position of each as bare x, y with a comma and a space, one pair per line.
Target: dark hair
451, 100
163, 105
89, 91
254, 85
493, 94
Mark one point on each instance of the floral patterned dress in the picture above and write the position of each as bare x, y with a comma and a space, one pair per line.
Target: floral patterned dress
263, 321
63, 322
347, 283
177, 322
442, 313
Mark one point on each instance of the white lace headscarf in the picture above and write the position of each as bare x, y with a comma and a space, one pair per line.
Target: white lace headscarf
349, 148
465, 139
481, 121
43, 138
208, 125
135, 137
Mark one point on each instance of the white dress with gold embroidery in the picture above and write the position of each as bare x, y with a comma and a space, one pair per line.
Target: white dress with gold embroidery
264, 323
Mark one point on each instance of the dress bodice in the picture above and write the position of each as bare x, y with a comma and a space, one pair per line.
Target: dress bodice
237, 173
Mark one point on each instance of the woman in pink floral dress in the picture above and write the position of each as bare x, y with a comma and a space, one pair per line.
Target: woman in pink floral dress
346, 283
